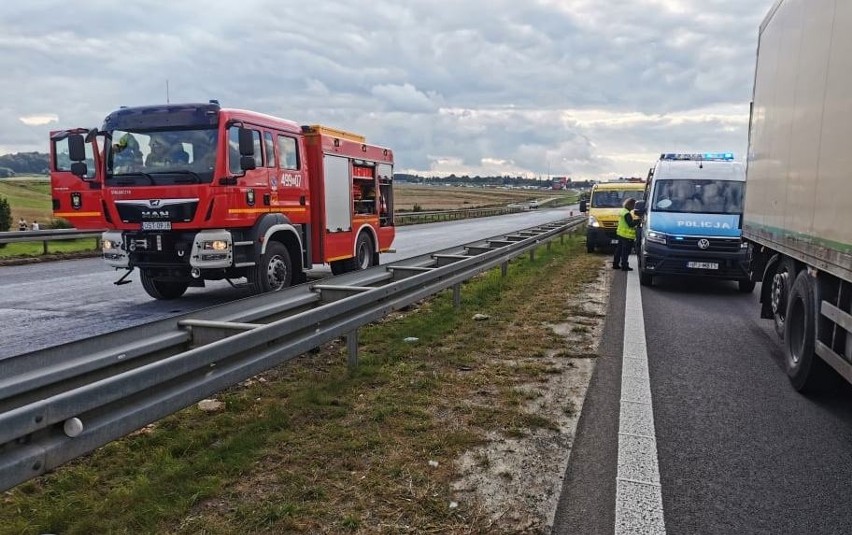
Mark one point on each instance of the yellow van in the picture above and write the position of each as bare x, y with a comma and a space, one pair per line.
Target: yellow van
604, 205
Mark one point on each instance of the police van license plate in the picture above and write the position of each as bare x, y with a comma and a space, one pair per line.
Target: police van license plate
156, 225
613, 242
702, 265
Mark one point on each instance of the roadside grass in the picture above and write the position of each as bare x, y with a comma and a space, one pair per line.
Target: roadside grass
36, 248
312, 447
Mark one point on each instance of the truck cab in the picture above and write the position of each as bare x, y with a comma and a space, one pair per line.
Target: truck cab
603, 207
693, 219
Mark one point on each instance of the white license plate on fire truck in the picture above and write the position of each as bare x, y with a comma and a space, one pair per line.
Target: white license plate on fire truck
702, 265
613, 242
156, 225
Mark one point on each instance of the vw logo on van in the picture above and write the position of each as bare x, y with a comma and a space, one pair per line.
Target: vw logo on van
703, 244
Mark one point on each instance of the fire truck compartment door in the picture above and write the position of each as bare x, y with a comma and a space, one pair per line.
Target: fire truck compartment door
338, 195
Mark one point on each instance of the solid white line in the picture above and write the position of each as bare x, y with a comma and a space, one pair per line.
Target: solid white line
638, 495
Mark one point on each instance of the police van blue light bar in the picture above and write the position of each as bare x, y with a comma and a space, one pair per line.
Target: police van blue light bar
701, 156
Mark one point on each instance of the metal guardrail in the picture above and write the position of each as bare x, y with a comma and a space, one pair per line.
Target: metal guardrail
62, 402
46, 236
408, 218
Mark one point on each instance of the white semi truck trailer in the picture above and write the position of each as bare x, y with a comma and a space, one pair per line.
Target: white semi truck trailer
798, 203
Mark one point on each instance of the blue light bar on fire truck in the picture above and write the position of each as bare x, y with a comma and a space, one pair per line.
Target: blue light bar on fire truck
701, 156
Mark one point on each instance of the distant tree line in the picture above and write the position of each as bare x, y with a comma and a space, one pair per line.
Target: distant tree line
24, 163
506, 180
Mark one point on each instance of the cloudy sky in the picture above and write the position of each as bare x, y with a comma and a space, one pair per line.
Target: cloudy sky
584, 88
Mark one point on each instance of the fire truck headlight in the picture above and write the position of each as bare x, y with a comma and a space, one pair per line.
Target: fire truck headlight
215, 245
109, 245
593, 221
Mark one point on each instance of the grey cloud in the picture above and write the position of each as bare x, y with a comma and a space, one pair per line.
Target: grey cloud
392, 69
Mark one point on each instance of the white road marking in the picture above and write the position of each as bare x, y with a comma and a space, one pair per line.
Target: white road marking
638, 495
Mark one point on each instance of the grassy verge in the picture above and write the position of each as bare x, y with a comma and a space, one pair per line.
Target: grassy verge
36, 248
310, 447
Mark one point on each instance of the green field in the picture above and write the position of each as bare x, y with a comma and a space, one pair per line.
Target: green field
29, 199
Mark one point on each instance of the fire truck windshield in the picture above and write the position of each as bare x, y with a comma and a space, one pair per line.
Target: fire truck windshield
163, 157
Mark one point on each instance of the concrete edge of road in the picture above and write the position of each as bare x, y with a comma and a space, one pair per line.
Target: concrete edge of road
605, 488
638, 498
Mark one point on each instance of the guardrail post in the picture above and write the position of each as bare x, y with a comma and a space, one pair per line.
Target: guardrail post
44, 246
97, 243
457, 296
562, 238
548, 245
352, 349
504, 269
532, 255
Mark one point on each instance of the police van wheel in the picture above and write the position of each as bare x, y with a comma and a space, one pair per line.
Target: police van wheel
274, 271
162, 290
646, 279
590, 247
745, 286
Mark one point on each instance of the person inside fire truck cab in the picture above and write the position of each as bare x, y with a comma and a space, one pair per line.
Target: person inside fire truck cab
164, 153
126, 154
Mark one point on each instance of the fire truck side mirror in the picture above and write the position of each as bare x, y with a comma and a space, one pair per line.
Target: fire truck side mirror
76, 148
247, 161
79, 169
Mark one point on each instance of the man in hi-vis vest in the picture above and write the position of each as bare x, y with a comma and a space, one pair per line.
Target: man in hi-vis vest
626, 232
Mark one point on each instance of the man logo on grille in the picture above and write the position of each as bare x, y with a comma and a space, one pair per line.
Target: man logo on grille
154, 202
703, 244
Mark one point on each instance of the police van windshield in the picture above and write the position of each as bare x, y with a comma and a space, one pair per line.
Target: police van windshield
161, 157
698, 196
615, 198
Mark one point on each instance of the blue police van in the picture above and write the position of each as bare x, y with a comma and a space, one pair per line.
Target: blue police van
693, 219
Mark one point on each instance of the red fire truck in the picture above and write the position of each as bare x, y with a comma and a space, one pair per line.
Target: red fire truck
195, 192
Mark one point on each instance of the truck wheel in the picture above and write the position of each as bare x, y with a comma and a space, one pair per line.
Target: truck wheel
746, 286
646, 279
274, 271
363, 252
806, 371
779, 292
363, 259
163, 290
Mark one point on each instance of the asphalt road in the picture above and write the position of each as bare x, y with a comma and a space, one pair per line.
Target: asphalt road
739, 450
48, 304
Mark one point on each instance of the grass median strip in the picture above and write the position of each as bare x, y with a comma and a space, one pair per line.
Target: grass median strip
311, 447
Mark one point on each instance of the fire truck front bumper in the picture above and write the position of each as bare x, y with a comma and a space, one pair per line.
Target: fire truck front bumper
112, 247
207, 249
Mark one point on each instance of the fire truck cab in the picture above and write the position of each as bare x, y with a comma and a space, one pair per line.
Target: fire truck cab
195, 192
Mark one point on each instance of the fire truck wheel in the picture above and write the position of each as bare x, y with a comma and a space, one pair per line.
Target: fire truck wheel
274, 271
363, 252
364, 257
163, 290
